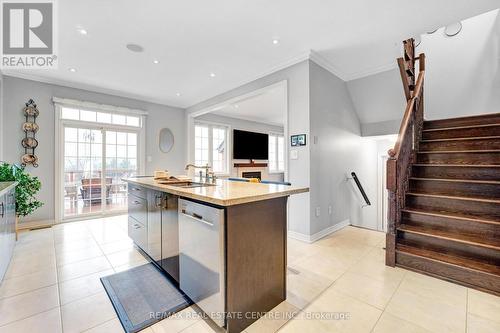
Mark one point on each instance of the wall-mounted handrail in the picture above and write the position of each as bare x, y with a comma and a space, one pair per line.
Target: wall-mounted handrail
360, 188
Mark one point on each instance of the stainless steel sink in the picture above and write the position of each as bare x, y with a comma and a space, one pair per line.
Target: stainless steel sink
191, 184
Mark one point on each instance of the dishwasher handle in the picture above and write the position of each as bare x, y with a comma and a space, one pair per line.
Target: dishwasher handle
196, 217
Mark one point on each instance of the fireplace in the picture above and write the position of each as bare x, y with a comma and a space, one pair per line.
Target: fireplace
252, 174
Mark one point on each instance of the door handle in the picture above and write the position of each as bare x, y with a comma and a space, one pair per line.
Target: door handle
197, 217
135, 202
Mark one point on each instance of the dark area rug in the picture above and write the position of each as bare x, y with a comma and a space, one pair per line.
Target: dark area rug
142, 296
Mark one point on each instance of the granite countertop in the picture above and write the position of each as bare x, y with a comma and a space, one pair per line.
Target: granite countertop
6, 186
225, 192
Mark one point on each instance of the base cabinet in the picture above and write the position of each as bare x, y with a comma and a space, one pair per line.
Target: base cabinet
153, 226
7, 229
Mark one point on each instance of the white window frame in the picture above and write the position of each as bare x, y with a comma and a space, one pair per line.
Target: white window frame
60, 123
212, 125
278, 170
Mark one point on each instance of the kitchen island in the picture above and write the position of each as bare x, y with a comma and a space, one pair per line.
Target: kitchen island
223, 242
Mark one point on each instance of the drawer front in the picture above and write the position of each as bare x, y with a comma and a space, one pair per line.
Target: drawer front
138, 209
138, 191
138, 232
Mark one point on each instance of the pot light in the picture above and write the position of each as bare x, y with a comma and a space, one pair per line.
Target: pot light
72, 70
82, 31
212, 74
236, 106
276, 41
156, 61
178, 94
134, 47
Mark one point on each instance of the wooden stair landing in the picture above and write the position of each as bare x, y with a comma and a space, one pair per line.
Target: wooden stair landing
450, 224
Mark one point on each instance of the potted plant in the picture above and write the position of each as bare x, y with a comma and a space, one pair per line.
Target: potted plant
26, 189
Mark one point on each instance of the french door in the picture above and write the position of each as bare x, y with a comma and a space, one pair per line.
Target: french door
95, 159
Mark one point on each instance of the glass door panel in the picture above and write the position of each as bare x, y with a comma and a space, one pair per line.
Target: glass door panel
82, 171
121, 162
95, 161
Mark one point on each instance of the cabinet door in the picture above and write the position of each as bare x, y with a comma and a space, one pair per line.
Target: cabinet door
170, 236
154, 224
10, 220
4, 258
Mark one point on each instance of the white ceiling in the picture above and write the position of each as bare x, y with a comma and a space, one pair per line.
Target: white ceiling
233, 39
268, 107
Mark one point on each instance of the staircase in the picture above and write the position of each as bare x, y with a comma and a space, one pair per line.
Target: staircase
444, 195
450, 225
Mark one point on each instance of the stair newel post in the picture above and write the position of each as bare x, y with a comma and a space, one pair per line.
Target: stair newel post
392, 214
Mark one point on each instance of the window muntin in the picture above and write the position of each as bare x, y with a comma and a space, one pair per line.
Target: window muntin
100, 117
210, 147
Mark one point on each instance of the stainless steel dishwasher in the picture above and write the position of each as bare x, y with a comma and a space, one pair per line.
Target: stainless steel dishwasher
201, 259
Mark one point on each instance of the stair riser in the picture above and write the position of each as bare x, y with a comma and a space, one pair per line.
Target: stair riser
488, 231
457, 145
452, 172
461, 133
466, 121
486, 255
459, 158
486, 210
464, 189
451, 273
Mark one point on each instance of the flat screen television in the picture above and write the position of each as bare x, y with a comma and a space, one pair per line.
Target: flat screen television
250, 145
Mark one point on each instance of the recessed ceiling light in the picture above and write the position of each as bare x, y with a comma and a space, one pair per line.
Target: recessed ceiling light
72, 70
156, 61
212, 74
82, 31
135, 47
276, 41
178, 94
236, 106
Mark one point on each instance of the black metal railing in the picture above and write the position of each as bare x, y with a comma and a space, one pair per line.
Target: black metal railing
361, 189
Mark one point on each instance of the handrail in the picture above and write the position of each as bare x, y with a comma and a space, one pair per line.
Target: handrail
404, 153
408, 113
361, 189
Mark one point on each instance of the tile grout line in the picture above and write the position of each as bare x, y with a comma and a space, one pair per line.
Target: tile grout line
58, 288
328, 287
389, 301
467, 310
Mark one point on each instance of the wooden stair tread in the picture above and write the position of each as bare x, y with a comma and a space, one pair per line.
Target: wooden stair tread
450, 259
458, 151
463, 138
455, 237
459, 127
450, 215
497, 201
457, 180
457, 165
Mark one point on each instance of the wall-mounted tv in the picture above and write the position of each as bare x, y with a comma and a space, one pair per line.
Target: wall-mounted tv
250, 145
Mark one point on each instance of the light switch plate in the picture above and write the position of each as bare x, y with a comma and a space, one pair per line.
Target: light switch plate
294, 154
318, 211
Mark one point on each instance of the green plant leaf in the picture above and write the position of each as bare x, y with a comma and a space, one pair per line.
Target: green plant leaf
27, 188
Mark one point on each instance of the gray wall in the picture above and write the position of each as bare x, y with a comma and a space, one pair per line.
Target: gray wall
297, 77
379, 102
245, 125
19, 91
336, 130
1, 116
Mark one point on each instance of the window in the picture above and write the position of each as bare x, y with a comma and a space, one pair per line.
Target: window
276, 161
210, 146
100, 117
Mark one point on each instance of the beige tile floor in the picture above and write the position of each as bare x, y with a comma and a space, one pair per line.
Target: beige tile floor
338, 284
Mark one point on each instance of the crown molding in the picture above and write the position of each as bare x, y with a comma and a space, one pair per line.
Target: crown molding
323, 62
373, 71
89, 87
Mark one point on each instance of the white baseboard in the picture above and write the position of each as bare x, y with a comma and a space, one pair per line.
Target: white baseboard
323, 233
